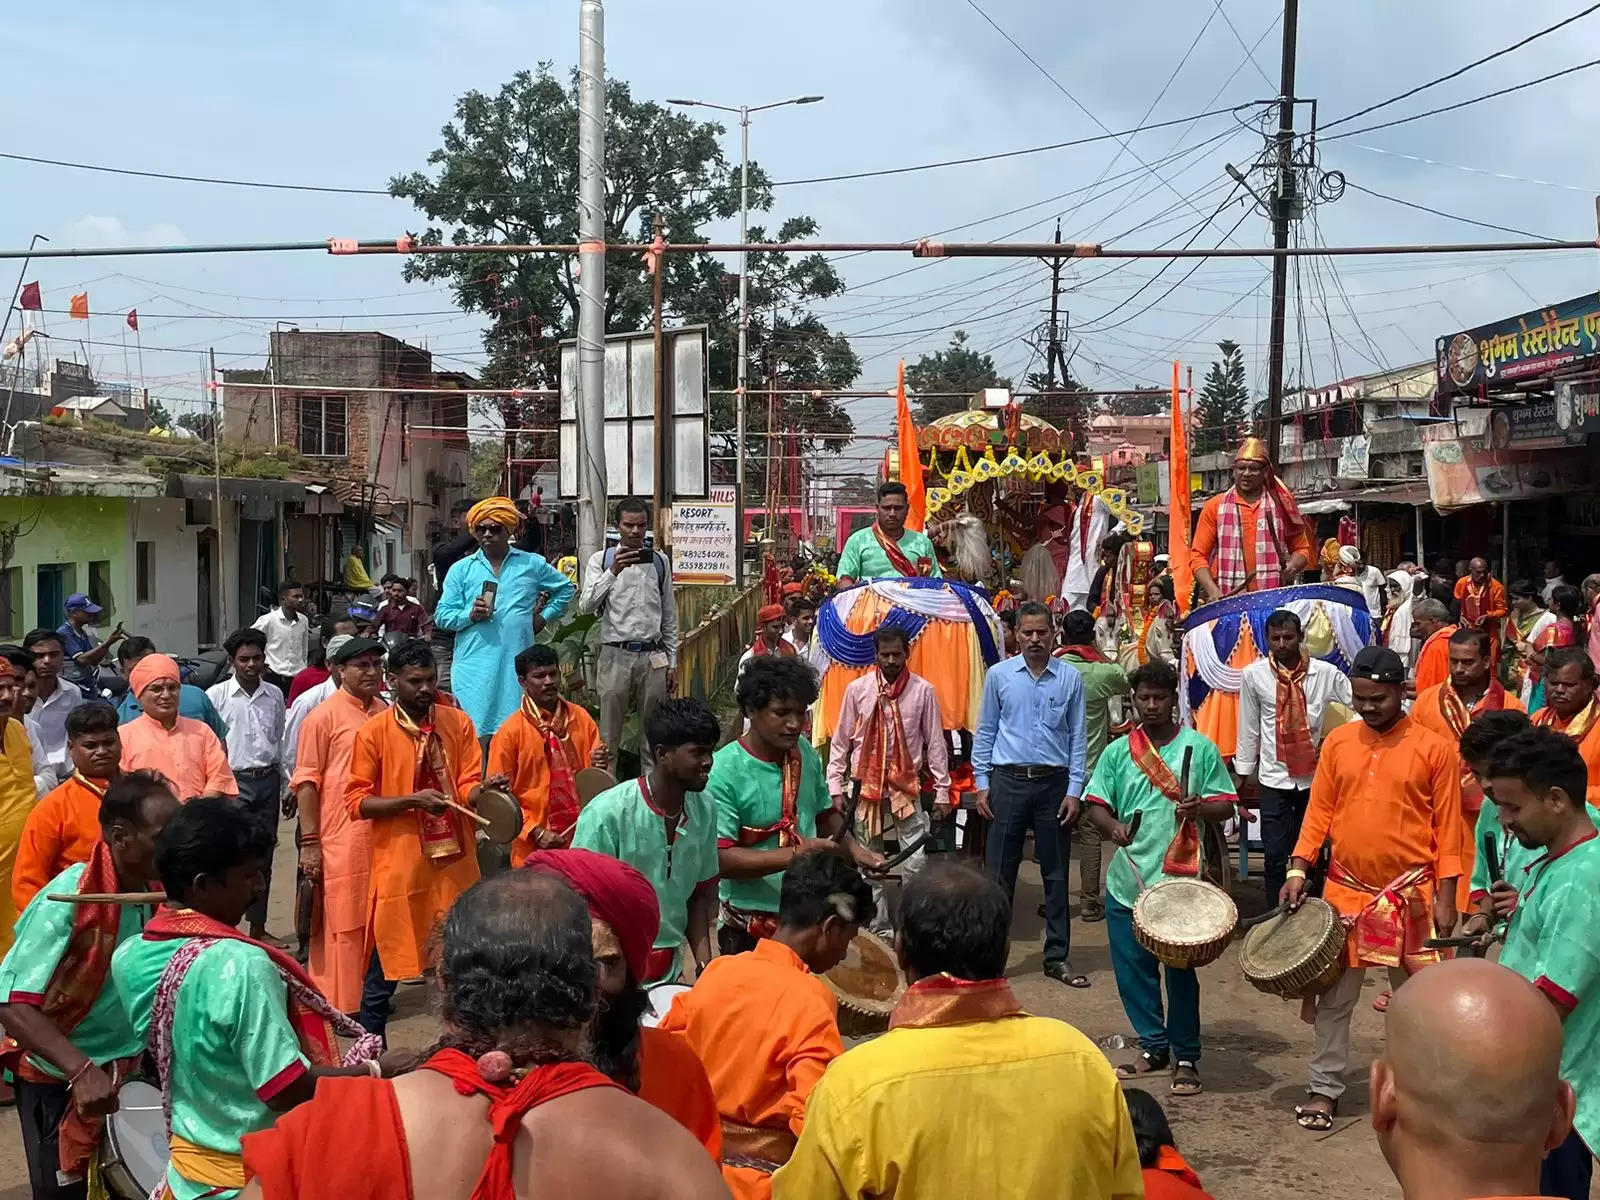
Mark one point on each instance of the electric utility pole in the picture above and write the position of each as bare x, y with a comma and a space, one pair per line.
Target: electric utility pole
1284, 204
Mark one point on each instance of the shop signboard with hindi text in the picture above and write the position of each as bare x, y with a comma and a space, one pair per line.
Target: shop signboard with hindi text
1463, 469
1496, 355
705, 548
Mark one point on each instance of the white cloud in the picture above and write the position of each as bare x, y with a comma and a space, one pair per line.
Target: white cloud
92, 230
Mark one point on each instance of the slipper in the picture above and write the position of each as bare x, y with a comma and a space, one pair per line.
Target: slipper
1091, 915
1145, 1064
1381, 1004
1315, 1120
1062, 972
1185, 1079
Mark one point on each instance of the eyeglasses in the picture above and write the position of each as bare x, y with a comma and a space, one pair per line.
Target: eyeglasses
489, 528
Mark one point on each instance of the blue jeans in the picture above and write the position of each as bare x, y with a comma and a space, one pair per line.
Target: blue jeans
377, 998
1139, 984
1023, 804
260, 795
1282, 811
1567, 1170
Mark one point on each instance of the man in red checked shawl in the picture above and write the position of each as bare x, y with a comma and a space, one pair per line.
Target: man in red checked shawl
772, 799
1251, 537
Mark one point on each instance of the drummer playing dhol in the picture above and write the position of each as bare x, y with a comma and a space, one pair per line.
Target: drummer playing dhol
1387, 799
1141, 780
54, 1001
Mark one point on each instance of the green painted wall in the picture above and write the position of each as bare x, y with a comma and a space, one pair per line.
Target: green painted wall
75, 530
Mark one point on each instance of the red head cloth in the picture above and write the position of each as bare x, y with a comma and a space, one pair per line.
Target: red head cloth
615, 893
149, 669
770, 612
793, 589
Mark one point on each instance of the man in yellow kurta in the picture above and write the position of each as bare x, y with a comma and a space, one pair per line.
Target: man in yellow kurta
336, 851
17, 798
966, 1095
408, 766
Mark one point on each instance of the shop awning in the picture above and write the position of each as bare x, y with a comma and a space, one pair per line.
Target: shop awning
1412, 493
234, 487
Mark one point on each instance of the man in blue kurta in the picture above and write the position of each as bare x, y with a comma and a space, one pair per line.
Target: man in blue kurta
886, 549
1539, 779
494, 625
1143, 775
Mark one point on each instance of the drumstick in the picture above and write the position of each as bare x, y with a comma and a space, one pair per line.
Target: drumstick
465, 811
108, 897
1183, 780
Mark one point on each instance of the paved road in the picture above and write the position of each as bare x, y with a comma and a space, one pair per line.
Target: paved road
1240, 1134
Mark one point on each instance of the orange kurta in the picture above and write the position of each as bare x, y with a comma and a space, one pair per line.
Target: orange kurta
1390, 803
338, 939
517, 752
672, 1077
1204, 546
60, 831
1428, 711
408, 892
766, 1029
1433, 661
189, 754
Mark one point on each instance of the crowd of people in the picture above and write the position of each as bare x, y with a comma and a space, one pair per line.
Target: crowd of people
1413, 792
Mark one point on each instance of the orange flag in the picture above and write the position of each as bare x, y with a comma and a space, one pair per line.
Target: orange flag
1178, 493
79, 309
910, 460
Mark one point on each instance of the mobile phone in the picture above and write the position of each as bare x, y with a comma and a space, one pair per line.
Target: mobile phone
649, 544
490, 587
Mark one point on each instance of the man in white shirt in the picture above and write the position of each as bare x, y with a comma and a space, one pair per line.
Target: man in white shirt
630, 586
1282, 700
1362, 577
1553, 578
802, 630
253, 711
288, 633
56, 698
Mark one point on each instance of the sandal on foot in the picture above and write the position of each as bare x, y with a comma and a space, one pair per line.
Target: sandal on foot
1315, 1120
1185, 1079
1092, 914
1062, 972
1381, 1004
1145, 1064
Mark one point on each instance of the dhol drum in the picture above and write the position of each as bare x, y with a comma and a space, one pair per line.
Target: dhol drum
500, 808
1295, 954
660, 997
133, 1149
591, 781
868, 983
1186, 923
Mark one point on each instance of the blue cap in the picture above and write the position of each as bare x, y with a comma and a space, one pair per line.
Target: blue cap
78, 602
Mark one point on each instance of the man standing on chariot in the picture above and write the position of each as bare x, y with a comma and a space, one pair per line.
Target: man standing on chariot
1251, 537
886, 549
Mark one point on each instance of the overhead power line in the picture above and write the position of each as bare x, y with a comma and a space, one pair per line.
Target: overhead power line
1447, 215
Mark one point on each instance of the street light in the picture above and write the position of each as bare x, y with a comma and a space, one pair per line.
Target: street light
744, 112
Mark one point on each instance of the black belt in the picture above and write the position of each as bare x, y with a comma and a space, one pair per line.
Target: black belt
256, 772
1029, 770
636, 647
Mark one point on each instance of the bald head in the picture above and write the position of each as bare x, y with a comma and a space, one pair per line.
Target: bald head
1470, 1074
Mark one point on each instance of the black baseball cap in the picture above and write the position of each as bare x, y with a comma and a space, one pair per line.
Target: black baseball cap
353, 647
1379, 664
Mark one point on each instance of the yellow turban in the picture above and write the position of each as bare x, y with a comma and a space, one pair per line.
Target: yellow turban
499, 509
149, 669
1252, 449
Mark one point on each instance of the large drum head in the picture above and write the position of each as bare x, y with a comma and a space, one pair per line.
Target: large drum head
591, 781
503, 813
868, 983
1185, 912
1288, 940
135, 1151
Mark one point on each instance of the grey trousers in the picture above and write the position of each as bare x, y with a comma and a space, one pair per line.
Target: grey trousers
904, 832
626, 682
1334, 1009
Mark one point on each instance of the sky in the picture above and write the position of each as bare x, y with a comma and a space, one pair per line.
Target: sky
350, 93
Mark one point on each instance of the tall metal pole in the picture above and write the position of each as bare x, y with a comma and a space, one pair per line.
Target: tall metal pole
5, 328
661, 459
222, 630
591, 279
741, 399
1282, 203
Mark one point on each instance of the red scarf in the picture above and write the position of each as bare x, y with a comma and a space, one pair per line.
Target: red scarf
437, 831
897, 557
1295, 750
760, 647
1086, 653
884, 766
946, 1000
1391, 931
787, 826
561, 809
509, 1103
74, 986
1183, 853
1457, 717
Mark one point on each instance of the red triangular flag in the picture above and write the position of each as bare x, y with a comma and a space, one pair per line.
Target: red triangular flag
133, 319
31, 300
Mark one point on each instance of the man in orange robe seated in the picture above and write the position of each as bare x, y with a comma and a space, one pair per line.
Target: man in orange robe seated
336, 851
1431, 626
766, 1027
1447, 709
1481, 603
660, 1067
408, 766
1571, 707
1251, 537
540, 750
63, 827
1387, 797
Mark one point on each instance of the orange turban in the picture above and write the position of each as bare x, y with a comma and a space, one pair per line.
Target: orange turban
770, 612
149, 669
502, 510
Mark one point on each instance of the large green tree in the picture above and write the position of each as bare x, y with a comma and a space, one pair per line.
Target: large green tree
958, 369
507, 171
1223, 408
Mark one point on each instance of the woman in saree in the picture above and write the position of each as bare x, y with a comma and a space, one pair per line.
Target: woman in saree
1566, 611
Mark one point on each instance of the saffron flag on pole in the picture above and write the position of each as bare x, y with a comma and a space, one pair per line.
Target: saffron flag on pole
31, 300
909, 458
1178, 494
79, 308
133, 319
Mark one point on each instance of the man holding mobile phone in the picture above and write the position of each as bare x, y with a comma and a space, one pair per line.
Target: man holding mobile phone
491, 601
630, 586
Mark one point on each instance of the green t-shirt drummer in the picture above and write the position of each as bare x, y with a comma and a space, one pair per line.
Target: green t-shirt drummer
886, 549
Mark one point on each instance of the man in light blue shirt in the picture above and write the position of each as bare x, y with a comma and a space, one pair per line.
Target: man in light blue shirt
1028, 758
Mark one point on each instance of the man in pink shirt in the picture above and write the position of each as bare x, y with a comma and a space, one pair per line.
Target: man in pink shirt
889, 729
185, 751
